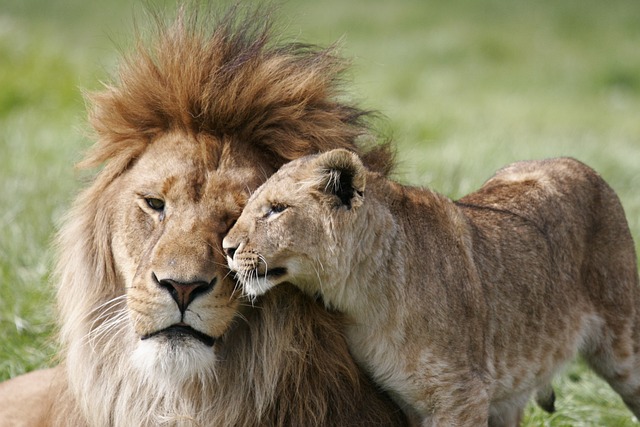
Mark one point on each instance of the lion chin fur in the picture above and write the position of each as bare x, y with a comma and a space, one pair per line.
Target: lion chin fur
461, 309
217, 99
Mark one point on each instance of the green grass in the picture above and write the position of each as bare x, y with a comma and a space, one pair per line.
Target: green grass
466, 87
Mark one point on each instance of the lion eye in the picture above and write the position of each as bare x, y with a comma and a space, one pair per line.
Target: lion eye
275, 209
155, 204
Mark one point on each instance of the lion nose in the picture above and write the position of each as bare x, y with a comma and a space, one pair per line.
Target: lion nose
184, 293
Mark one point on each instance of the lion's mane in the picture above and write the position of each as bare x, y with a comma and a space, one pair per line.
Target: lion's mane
283, 362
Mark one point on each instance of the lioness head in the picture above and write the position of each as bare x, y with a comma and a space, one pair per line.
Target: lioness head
290, 229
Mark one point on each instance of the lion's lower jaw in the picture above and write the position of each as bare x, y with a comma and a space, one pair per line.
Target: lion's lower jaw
148, 384
180, 362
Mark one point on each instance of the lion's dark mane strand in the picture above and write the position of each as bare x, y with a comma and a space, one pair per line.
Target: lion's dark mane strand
232, 82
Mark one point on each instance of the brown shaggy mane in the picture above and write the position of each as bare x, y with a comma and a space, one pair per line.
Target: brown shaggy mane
234, 83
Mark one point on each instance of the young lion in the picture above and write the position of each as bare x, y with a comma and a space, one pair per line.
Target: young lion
460, 309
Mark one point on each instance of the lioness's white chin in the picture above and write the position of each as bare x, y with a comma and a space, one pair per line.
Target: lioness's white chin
257, 287
180, 357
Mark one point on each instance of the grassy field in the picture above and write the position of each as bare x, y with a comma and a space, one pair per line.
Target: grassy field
465, 87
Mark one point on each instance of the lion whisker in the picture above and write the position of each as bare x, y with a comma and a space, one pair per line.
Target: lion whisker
218, 250
117, 316
221, 264
113, 322
104, 311
107, 304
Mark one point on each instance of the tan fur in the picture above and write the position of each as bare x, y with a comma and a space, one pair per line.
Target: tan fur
460, 309
198, 118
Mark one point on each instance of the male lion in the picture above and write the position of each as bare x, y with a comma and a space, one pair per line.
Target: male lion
459, 309
151, 330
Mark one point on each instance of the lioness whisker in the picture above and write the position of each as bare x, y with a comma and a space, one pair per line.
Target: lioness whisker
237, 287
266, 265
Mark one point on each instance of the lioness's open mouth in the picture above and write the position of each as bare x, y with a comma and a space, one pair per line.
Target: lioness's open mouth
182, 330
255, 273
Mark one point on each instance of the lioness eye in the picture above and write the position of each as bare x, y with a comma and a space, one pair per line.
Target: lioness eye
155, 204
276, 208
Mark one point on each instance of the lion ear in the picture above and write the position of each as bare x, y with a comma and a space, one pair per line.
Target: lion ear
342, 174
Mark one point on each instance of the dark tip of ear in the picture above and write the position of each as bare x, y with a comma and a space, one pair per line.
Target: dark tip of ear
343, 175
344, 188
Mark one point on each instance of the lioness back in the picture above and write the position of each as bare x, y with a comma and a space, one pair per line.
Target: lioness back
580, 290
460, 309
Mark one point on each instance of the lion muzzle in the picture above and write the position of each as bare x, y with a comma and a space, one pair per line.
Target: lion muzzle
184, 293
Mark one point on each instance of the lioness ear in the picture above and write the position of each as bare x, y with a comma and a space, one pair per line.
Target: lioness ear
342, 174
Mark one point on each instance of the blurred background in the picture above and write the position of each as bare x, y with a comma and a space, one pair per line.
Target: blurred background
463, 87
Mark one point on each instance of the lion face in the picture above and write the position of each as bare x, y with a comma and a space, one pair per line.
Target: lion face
290, 229
175, 206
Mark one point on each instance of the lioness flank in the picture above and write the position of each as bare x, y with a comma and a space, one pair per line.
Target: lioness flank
460, 309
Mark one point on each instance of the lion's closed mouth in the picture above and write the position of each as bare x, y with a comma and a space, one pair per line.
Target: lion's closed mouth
181, 330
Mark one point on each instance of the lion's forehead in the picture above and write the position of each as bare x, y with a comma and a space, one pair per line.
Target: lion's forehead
184, 169
210, 187
175, 148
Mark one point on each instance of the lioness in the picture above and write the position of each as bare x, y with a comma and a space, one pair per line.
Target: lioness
460, 309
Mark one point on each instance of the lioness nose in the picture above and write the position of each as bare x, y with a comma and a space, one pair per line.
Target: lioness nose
184, 293
229, 248
230, 252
